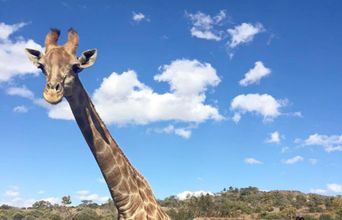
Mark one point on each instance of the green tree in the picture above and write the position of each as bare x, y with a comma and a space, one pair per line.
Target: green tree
42, 205
86, 202
66, 200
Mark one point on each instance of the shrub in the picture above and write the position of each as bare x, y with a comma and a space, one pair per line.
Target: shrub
18, 216
325, 217
86, 214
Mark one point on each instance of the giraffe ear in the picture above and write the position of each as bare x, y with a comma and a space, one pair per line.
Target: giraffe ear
87, 58
33, 55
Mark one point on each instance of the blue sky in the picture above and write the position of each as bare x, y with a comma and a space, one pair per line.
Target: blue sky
199, 95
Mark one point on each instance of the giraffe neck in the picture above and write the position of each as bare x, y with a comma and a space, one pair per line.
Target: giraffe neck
131, 193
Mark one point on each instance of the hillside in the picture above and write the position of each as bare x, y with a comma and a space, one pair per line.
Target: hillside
245, 203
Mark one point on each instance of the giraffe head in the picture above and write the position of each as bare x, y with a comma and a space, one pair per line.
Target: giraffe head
60, 65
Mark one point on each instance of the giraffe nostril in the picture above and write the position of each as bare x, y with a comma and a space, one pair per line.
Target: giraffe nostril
58, 87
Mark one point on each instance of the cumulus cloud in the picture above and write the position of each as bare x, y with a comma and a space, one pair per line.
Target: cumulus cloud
52, 200
255, 74
18, 202
204, 26
252, 161
331, 188
261, 104
7, 30
12, 193
293, 160
20, 91
86, 195
274, 137
244, 33
20, 109
123, 99
330, 143
188, 194
13, 60
318, 191
171, 129
138, 17
13, 198
60, 111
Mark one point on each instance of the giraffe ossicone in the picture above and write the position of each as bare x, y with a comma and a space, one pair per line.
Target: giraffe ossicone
131, 193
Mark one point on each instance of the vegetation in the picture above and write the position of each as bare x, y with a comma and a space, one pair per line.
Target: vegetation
247, 203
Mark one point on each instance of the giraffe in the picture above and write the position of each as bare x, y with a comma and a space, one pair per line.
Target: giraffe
129, 190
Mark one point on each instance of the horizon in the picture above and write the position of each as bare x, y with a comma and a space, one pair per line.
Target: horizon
199, 97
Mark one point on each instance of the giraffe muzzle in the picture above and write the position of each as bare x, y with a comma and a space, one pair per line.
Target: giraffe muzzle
53, 92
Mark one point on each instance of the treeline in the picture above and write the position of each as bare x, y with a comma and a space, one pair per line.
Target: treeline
252, 203
249, 203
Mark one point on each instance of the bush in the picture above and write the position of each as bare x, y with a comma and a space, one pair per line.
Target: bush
86, 214
325, 217
18, 216
309, 217
55, 217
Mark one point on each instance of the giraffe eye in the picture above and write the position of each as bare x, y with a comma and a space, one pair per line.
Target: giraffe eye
42, 68
76, 68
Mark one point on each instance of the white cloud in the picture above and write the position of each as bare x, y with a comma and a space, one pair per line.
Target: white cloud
20, 109
236, 117
203, 25
7, 30
318, 191
13, 60
123, 99
13, 198
255, 74
18, 202
331, 188
262, 104
188, 194
60, 111
244, 33
294, 160
252, 161
170, 129
12, 193
329, 143
138, 17
52, 200
274, 137
188, 77
20, 91
86, 195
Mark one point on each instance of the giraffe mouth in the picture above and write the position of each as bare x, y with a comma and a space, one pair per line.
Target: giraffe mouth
53, 97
